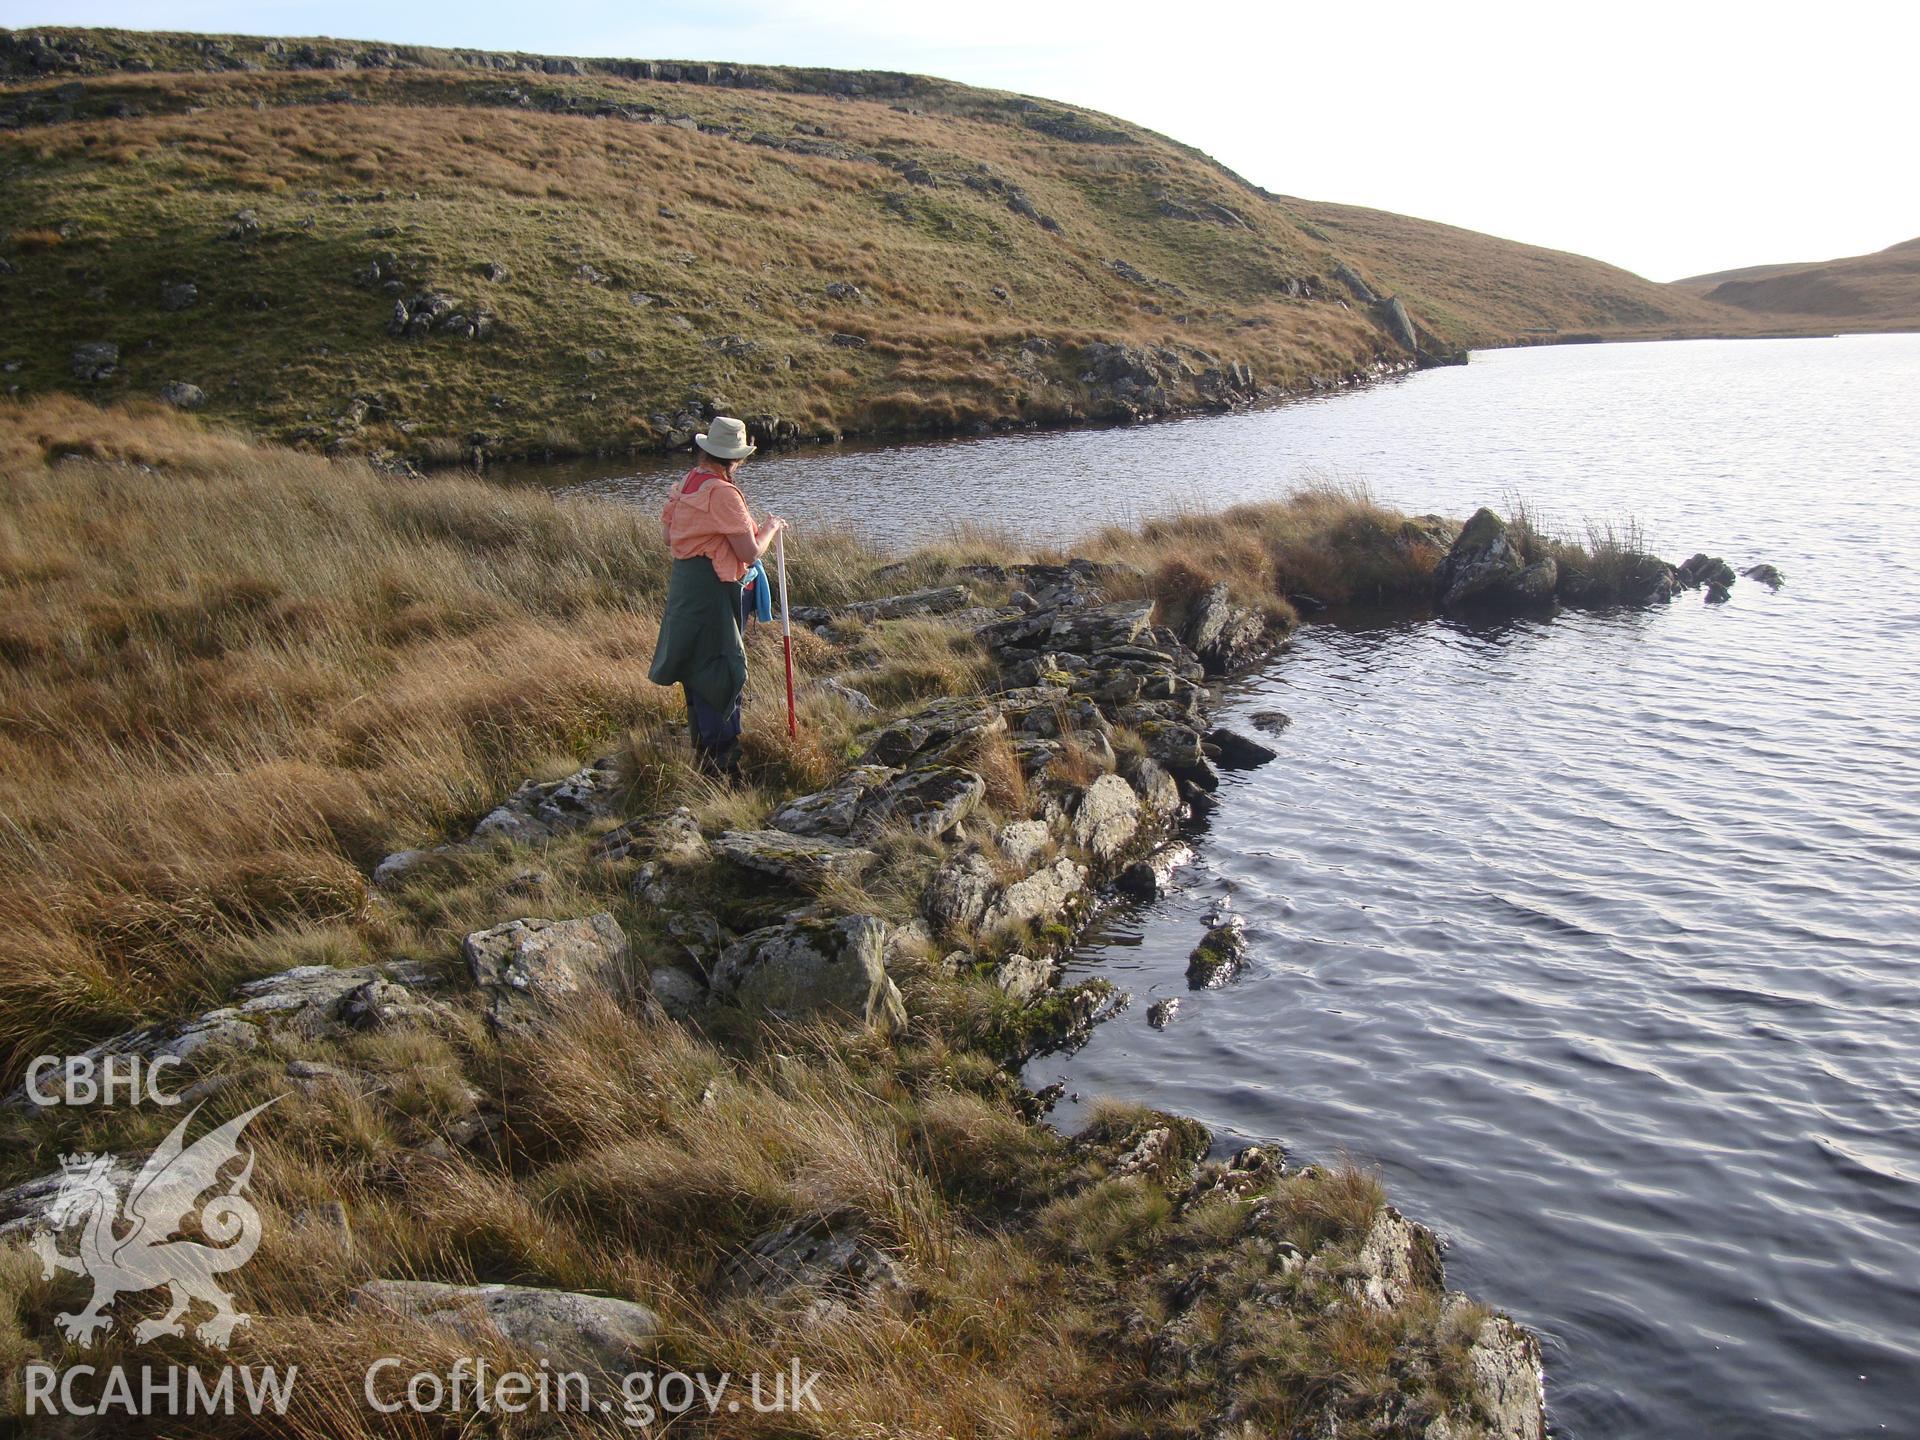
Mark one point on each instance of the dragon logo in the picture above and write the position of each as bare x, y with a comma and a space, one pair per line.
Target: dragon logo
130, 1240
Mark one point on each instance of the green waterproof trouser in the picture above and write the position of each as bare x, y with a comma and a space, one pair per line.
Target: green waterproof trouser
700, 645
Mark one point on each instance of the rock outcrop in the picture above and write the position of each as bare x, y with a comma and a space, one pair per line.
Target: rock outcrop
1485, 571
308, 1002
585, 1333
527, 967
807, 969
831, 1261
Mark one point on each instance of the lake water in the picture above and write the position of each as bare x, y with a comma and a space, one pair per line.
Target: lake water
1595, 935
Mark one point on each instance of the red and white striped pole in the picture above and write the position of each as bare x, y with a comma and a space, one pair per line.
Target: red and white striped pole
786, 629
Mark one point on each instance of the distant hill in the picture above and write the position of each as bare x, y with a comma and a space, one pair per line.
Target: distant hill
1880, 291
382, 247
1487, 291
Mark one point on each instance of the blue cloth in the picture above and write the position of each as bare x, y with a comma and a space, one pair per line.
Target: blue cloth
754, 587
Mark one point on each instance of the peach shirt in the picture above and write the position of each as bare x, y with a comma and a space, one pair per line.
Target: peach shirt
702, 510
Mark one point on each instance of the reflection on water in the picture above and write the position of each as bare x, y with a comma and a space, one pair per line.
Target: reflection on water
1596, 935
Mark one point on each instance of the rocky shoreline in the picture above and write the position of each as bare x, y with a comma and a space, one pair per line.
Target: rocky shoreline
1004, 819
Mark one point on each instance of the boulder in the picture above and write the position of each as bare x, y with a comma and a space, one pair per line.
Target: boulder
929, 800
823, 1257
1393, 314
1023, 842
679, 990
1397, 1261
1485, 570
24, 1207
832, 811
1219, 955
95, 360
1050, 893
935, 733
180, 295
527, 965
1349, 277
808, 861
671, 836
855, 700
1106, 818
940, 601
1509, 1380
539, 809
1022, 977
1155, 786
586, 1333
806, 969
1767, 575
959, 893
1151, 877
390, 870
1091, 629
1226, 636
1238, 752
182, 396
1161, 1013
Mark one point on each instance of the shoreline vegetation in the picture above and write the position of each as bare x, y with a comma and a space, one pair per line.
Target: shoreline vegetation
440, 257
350, 788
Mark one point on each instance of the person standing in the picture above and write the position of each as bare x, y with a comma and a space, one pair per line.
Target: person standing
714, 541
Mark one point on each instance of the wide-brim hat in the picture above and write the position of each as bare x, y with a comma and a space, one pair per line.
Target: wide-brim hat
725, 439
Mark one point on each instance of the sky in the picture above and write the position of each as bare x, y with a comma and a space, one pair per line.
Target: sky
1674, 139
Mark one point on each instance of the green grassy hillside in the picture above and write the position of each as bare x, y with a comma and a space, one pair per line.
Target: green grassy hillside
584, 254
1880, 291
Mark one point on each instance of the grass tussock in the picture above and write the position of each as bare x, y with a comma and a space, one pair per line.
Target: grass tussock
1331, 544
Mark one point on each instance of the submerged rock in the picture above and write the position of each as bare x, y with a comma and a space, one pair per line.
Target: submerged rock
1219, 955
1237, 751
1273, 722
1703, 569
804, 969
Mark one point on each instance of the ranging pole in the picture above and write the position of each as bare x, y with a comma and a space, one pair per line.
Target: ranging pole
786, 629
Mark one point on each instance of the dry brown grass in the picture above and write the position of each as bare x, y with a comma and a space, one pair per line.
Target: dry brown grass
1333, 543
234, 678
